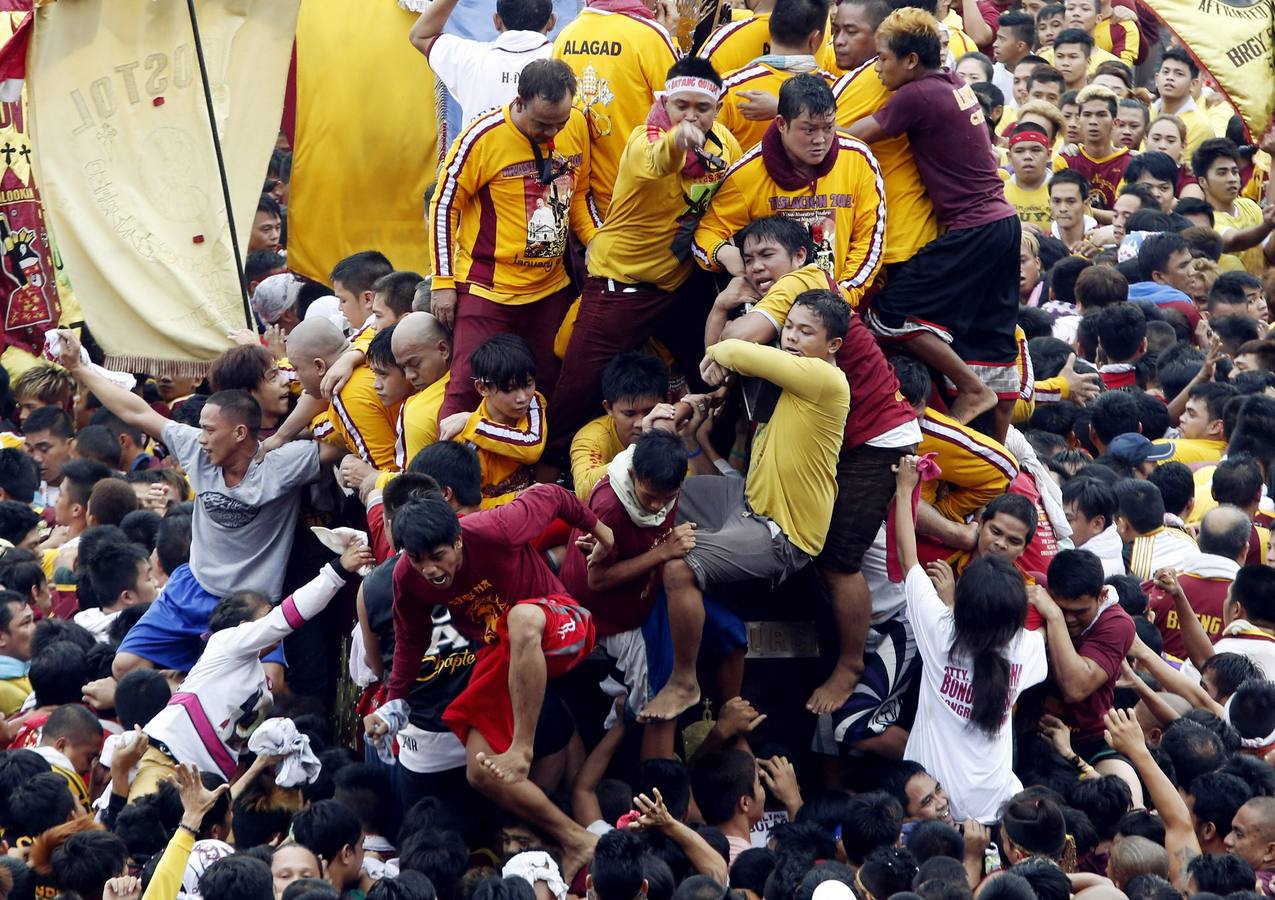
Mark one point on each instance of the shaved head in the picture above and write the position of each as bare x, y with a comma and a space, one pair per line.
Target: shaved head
316, 338
417, 329
422, 348
1224, 531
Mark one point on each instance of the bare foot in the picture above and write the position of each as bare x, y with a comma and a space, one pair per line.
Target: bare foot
674, 698
576, 856
833, 693
969, 406
510, 767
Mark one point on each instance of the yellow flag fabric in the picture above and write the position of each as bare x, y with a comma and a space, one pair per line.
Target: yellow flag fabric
125, 154
1232, 39
366, 143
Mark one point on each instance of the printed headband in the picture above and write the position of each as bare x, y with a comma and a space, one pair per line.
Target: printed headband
1036, 137
689, 84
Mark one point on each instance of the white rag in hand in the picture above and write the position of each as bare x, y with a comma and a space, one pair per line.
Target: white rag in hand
53, 352
395, 716
279, 737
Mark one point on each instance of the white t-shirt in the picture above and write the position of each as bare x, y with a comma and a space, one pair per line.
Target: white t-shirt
975, 769
484, 74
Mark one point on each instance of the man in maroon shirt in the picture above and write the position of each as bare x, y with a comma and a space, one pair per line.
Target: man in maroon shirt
1224, 534
504, 598
955, 303
1087, 634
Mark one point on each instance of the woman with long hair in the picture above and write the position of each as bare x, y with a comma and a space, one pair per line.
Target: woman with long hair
976, 658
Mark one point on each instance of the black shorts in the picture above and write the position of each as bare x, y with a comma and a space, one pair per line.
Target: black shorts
962, 286
865, 487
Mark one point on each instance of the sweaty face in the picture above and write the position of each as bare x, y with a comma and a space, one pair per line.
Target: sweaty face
1002, 535
540, 119
927, 799
627, 413
808, 138
440, 565
217, 434
853, 37
267, 230
422, 366
890, 67
765, 262
804, 334
1163, 136
49, 452
390, 384
1078, 612
309, 374
291, 863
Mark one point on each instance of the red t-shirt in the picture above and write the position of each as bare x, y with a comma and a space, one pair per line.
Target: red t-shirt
1207, 596
624, 607
1106, 643
951, 146
499, 567
1043, 546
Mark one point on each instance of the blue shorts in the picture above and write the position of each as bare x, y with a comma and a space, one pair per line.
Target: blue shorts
170, 634
724, 633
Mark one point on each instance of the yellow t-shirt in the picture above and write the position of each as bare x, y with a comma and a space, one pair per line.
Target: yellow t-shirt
754, 77
653, 200
506, 453
1198, 127
1244, 214
592, 450
1032, 205
735, 44
360, 420
363, 339
911, 223
1193, 450
976, 469
13, 693
1120, 38
958, 43
791, 482
844, 210
620, 62
493, 225
419, 418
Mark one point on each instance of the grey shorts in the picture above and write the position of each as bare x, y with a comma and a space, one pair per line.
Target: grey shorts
732, 543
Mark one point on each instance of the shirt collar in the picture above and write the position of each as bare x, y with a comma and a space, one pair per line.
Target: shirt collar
520, 40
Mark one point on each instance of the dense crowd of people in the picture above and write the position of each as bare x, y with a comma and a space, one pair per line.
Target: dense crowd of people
828, 459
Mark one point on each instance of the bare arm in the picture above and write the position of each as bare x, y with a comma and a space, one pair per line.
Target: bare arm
430, 25
128, 406
904, 523
302, 414
371, 643
585, 808
974, 24
1198, 646
1171, 680
1077, 676
867, 129
719, 327
655, 817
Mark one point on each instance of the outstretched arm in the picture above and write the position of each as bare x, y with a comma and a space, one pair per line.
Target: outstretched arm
904, 523
128, 406
430, 25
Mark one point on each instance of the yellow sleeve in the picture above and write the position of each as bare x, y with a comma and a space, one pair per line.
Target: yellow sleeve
363, 339
1132, 43
457, 183
659, 157
523, 443
1052, 390
726, 215
580, 212
867, 235
979, 482
731, 118
589, 457
1023, 410
1058, 163
801, 376
367, 426
166, 882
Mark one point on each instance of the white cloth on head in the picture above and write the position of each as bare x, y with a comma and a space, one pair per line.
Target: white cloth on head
536, 865
280, 737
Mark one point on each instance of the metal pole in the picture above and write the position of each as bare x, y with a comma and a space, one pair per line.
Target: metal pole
221, 165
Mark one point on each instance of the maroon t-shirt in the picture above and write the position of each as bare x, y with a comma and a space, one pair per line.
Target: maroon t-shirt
1106, 643
624, 607
952, 148
1207, 597
498, 569
876, 403
1104, 177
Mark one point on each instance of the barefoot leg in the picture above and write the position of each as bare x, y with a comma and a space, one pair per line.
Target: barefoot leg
686, 624
527, 679
852, 611
973, 397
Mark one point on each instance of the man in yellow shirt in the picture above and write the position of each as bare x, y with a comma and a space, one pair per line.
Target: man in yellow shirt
1025, 187
17, 626
640, 258
804, 170
356, 414
911, 223
776, 522
797, 29
1242, 224
1174, 81
737, 43
511, 183
1200, 424
352, 282
423, 350
619, 51
633, 384
1120, 39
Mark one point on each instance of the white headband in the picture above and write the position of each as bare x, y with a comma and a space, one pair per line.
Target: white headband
689, 84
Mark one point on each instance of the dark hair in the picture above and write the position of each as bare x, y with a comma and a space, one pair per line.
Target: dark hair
1252, 709
1104, 800
172, 541
140, 695
792, 21
504, 361
425, 525
1047, 880
87, 860
1225, 538
141, 526
1048, 75
1021, 24
113, 569
1229, 288
1016, 506
243, 367
1159, 166
326, 828
51, 419
1070, 176
1192, 749
1036, 824
1230, 670
616, 867
1256, 774
632, 375
829, 308
1153, 255
57, 674
673, 780
719, 780
1217, 797
871, 821
752, 867
1254, 590
1121, 329
545, 79
659, 459
235, 609
359, 271
363, 787
1092, 498
141, 827
914, 379
931, 839
439, 855
19, 475
1140, 502
1221, 873
1075, 36
237, 877
39, 803
695, 67
452, 465
1211, 151
1194, 206
379, 353
984, 63
399, 289
79, 476
1008, 886
1177, 54
17, 520
788, 233
1141, 823
1103, 286
404, 886
1141, 191
1066, 272
887, 871
524, 15
10, 603
1254, 381
1241, 330
990, 609
806, 93
1074, 574
240, 408
1176, 485
98, 443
